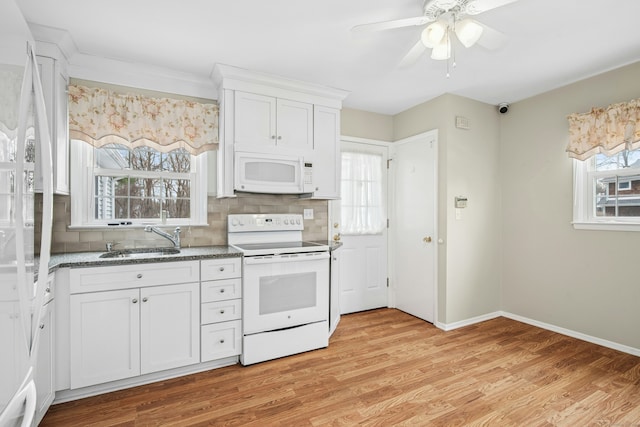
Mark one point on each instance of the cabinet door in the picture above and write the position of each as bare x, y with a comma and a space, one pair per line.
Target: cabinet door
254, 121
326, 153
61, 136
45, 363
105, 337
294, 127
169, 327
54, 85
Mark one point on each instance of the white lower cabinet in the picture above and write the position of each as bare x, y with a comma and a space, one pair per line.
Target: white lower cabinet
221, 309
124, 333
169, 321
105, 336
132, 324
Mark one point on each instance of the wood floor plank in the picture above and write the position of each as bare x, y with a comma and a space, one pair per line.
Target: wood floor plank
386, 368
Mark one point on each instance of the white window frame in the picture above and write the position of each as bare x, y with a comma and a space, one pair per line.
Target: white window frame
584, 217
82, 192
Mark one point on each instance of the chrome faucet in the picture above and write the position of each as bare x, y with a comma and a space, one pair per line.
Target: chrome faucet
175, 239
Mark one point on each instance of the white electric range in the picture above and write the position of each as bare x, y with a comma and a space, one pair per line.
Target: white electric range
285, 295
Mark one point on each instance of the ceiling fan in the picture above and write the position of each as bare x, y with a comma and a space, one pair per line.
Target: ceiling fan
446, 18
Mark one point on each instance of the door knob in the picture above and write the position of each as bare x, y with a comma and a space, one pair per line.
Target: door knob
427, 239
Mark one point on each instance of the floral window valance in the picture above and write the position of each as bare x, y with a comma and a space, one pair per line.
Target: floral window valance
604, 130
100, 117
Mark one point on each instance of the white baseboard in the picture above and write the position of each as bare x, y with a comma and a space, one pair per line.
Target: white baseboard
467, 322
568, 332
584, 337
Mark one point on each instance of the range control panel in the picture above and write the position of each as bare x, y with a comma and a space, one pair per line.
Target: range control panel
264, 222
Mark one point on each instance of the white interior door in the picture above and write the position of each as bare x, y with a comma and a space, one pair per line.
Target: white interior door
363, 256
414, 240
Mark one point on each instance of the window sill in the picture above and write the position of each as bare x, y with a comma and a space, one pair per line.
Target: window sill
131, 226
606, 226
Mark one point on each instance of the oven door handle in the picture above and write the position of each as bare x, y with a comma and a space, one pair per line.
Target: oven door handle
271, 259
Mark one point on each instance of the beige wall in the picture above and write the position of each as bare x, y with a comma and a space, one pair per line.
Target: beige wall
585, 281
469, 259
364, 124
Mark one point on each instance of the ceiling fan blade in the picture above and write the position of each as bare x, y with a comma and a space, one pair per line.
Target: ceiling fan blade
479, 6
388, 25
491, 39
412, 56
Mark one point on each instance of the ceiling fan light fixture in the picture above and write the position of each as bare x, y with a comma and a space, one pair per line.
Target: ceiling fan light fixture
434, 34
468, 32
442, 51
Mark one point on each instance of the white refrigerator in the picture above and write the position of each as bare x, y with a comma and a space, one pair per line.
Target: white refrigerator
23, 127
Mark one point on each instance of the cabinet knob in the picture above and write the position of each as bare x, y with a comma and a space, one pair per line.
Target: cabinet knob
222, 341
221, 311
221, 269
48, 290
135, 300
273, 137
145, 299
222, 291
139, 276
279, 137
41, 325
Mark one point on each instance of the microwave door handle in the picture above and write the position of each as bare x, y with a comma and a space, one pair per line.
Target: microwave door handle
280, 259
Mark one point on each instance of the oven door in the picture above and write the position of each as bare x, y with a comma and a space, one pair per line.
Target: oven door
282, 291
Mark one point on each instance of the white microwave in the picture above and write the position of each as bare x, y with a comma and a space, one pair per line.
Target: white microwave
272, 173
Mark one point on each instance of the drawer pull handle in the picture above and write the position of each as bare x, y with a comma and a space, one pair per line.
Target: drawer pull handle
221, 311
221, 268
145, 299
139, 276
222, 291
222, 341
135, 300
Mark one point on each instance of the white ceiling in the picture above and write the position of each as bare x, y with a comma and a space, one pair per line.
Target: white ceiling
551, 43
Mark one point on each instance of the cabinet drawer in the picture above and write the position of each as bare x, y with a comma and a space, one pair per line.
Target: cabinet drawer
221, 340
222, 268
132, 276
220, 311
221, 290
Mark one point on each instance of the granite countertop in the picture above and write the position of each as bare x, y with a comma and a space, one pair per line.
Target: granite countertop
92, 259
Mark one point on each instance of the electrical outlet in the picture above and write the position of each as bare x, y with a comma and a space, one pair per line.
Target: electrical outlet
308, 214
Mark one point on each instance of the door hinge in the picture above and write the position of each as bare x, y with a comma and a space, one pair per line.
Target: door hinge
388, 162
388, 222
387, 282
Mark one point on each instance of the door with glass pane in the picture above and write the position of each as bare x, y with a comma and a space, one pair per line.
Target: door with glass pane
360, 221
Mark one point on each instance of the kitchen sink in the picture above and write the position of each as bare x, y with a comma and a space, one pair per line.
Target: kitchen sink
140, 253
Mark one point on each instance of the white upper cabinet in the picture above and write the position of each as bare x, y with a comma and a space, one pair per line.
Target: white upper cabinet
326, 153
265, 114
54, 79
272, 125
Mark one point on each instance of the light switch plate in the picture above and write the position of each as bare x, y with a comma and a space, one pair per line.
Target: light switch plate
308, 214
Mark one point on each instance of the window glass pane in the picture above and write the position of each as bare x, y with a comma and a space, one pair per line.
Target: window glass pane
138, 195
145, 187
622, 160
112, 156
177, 161
146, 159
611, 202
145, 207
361, 206
177, 188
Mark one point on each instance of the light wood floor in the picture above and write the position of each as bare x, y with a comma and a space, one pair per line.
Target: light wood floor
384, 368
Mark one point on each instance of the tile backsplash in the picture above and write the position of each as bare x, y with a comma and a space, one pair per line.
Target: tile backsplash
65, 240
